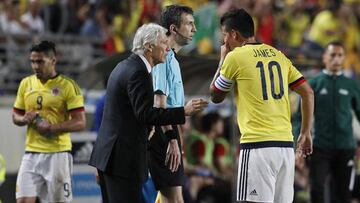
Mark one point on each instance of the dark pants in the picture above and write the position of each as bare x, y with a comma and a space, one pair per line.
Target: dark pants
336, 163
115, 189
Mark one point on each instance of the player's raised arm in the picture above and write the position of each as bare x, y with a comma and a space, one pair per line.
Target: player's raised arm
219, 86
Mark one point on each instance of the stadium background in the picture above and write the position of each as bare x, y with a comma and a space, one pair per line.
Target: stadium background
93, 35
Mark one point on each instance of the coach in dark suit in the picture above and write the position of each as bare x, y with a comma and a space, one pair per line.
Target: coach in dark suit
119, 152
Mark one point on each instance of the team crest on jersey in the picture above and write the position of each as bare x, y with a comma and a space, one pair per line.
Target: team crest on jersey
55, 91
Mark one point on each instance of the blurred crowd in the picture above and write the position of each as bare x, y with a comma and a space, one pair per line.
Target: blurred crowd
301, 28
209, 158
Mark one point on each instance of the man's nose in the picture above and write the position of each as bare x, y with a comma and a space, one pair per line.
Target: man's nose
194, 29
35, 66
337, 58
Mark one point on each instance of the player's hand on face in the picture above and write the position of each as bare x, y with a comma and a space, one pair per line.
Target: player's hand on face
304, 145
195, 106
43, 127
173, 156
29, 117
224, 50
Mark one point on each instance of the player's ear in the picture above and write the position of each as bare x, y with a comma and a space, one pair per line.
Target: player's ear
238, 36
235, 35
172, 29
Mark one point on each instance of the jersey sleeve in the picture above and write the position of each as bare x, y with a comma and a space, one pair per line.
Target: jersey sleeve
295, 78
160, 79
74, 97
228, 73
19, 104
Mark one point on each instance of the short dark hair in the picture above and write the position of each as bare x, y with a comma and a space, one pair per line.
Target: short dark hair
334, 43
46, 47
334, 5
172, 15
238, 20
208, 120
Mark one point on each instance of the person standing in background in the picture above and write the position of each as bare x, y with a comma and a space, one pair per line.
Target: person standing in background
334, 144
51, 106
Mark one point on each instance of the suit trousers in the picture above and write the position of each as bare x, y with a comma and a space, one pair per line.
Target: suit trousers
115, 189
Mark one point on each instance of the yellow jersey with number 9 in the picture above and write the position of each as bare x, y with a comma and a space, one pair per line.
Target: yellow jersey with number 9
54, 101
261, 76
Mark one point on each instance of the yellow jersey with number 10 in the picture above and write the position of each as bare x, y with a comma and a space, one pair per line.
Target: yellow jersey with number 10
54, 101
261, 76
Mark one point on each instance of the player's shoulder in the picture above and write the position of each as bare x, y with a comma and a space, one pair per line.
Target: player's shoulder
67, 82
253, 47
233, 54
275, 50
66, 79
28, 79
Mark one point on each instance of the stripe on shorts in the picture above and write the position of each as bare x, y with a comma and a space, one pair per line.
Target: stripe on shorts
243, 176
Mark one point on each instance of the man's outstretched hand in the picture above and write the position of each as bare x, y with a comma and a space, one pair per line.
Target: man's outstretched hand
195, 106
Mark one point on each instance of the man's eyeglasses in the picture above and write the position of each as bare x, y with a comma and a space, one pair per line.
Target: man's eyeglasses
40, 61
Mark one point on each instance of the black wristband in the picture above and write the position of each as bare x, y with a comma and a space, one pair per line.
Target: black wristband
170, 134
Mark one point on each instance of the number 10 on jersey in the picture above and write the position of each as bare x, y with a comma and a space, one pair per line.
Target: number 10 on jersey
271, 66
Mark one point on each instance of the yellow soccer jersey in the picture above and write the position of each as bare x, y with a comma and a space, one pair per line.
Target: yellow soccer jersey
261, 76
54, 101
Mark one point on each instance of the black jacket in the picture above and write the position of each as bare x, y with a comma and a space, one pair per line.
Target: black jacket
120, 148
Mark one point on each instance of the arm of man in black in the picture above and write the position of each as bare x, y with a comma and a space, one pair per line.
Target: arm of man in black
141, 97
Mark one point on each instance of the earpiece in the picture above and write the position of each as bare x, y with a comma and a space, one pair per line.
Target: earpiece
188, 38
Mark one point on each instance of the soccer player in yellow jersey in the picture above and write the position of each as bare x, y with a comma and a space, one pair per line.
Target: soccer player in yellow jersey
261, 77
51, 105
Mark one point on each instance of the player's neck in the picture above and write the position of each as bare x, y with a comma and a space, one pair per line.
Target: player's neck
51, 76
248, 41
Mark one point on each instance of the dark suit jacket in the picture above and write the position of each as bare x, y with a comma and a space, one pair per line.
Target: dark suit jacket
121, 146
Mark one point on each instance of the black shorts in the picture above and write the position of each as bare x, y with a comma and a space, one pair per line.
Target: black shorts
161, 174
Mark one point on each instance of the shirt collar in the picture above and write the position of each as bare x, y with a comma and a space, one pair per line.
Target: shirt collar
330, 73
172, 52
147, 64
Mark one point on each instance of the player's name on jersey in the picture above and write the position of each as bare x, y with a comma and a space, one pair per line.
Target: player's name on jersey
264, 53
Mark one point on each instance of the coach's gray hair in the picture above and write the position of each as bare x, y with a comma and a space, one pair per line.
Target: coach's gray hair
146, 34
